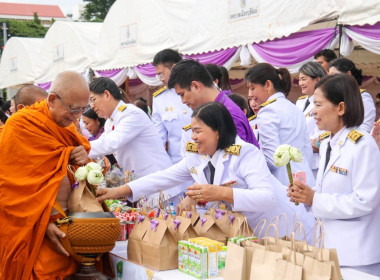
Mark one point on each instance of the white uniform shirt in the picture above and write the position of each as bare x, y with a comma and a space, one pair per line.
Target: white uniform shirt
169, 116
281, 122
369, 111
311, 125
132, 137
347, 198
253, 124
257, 194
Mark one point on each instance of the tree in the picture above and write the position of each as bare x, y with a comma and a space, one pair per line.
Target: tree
96, 10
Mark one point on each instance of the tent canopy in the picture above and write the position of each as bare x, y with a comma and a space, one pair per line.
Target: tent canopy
19, 60
67, 46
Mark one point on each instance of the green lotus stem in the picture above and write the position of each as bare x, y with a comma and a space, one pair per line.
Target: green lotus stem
289, 169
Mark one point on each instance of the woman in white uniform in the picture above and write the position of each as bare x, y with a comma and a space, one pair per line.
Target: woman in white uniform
238, 175
346, 196
309, 74
129, 134
279, 121
346, 66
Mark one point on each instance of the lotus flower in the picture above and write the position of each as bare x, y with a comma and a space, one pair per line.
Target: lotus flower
94, 177
81, 173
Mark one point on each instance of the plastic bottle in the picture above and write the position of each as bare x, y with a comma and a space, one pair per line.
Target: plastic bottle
172, 209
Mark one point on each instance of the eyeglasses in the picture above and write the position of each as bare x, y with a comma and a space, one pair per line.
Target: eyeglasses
71, 110
160, 75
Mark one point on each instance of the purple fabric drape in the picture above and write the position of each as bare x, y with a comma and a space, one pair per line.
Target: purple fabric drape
44, 86
109, 73
217, 57
235, 81
369, 31
295, 48
146, 69
135, 82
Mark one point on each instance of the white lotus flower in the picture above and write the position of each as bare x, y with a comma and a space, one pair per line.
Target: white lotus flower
295, 154
282, 155
94, 166
94, 177
81, 173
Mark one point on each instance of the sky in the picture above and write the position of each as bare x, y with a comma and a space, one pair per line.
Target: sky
65, 5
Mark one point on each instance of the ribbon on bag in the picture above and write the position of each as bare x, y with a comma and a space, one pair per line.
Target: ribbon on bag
176, 223
153, 225
189, 214
219, 214
232, 218
140, 218
203, 221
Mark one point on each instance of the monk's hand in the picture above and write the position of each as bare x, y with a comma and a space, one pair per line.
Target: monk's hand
301, 193
53, 233
113, 193
205, 192
78, 156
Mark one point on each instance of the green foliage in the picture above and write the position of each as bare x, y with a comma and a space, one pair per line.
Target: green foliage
27, 28
96, 10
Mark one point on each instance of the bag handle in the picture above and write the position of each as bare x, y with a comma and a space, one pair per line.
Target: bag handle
64, 226
263, 222
267, 234
299, 226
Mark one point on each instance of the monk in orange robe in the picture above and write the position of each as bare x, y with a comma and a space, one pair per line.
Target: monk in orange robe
26, 96
36, 146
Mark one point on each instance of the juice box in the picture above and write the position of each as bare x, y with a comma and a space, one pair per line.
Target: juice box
183, 256
197, 261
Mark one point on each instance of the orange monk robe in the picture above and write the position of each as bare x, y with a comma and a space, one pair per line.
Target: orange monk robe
1, 129
34, 154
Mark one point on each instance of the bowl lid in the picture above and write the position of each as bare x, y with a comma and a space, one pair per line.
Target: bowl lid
88, 215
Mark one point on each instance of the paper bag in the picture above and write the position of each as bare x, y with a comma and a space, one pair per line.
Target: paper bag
285, 270
207, 227
135, 239
181, 228
238, 225
192, 215
235, 262
159, 249
81, 198
316, 270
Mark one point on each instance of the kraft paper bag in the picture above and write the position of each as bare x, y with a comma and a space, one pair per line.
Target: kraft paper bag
238, 225
316, 270
181, 228
136, 237
235, 263
207, 227
264, 264
285, 270
192, 215
81, 199
159, 249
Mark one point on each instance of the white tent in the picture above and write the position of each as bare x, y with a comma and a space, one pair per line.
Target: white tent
134, 31
67, 46
19, 60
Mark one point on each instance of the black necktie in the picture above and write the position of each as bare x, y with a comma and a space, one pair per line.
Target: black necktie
328, 152
212, 172
306, 104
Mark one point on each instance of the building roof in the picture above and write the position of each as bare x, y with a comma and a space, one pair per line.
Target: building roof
15, 9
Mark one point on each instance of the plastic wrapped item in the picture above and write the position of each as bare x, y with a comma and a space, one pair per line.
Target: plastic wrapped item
115, 177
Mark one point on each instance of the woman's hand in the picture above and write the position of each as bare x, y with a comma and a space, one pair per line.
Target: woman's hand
376, 133
113, 193
206, 193
301, 193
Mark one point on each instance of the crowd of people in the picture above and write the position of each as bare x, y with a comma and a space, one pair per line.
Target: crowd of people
200, 141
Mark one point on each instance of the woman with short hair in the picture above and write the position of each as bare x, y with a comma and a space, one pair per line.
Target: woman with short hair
224, 168
346, 196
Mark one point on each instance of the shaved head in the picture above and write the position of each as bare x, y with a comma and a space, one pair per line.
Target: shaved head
68, 98
28, 95
68, 81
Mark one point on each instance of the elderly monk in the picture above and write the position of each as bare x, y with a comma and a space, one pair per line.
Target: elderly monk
27, 96
40, 141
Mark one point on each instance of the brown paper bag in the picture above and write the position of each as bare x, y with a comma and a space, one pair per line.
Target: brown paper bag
207, 227
136, 237
316, 270
81, 199
159, 249
238, 225
181, 228
193, 215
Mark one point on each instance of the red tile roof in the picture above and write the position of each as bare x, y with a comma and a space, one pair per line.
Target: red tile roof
14, 9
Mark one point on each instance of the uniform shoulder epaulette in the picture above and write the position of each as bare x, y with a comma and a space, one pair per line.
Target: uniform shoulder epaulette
252, 118
234, 149
268, 102
191, 147
121, 108
362, 90
302, 97
355, 135
324, 135
157, 92
186, 127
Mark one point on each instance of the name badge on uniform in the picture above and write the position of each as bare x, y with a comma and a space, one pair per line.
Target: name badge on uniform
193, 170
338, 170
229, 184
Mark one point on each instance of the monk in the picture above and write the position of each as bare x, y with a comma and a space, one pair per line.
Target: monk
39, 142
27, 96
